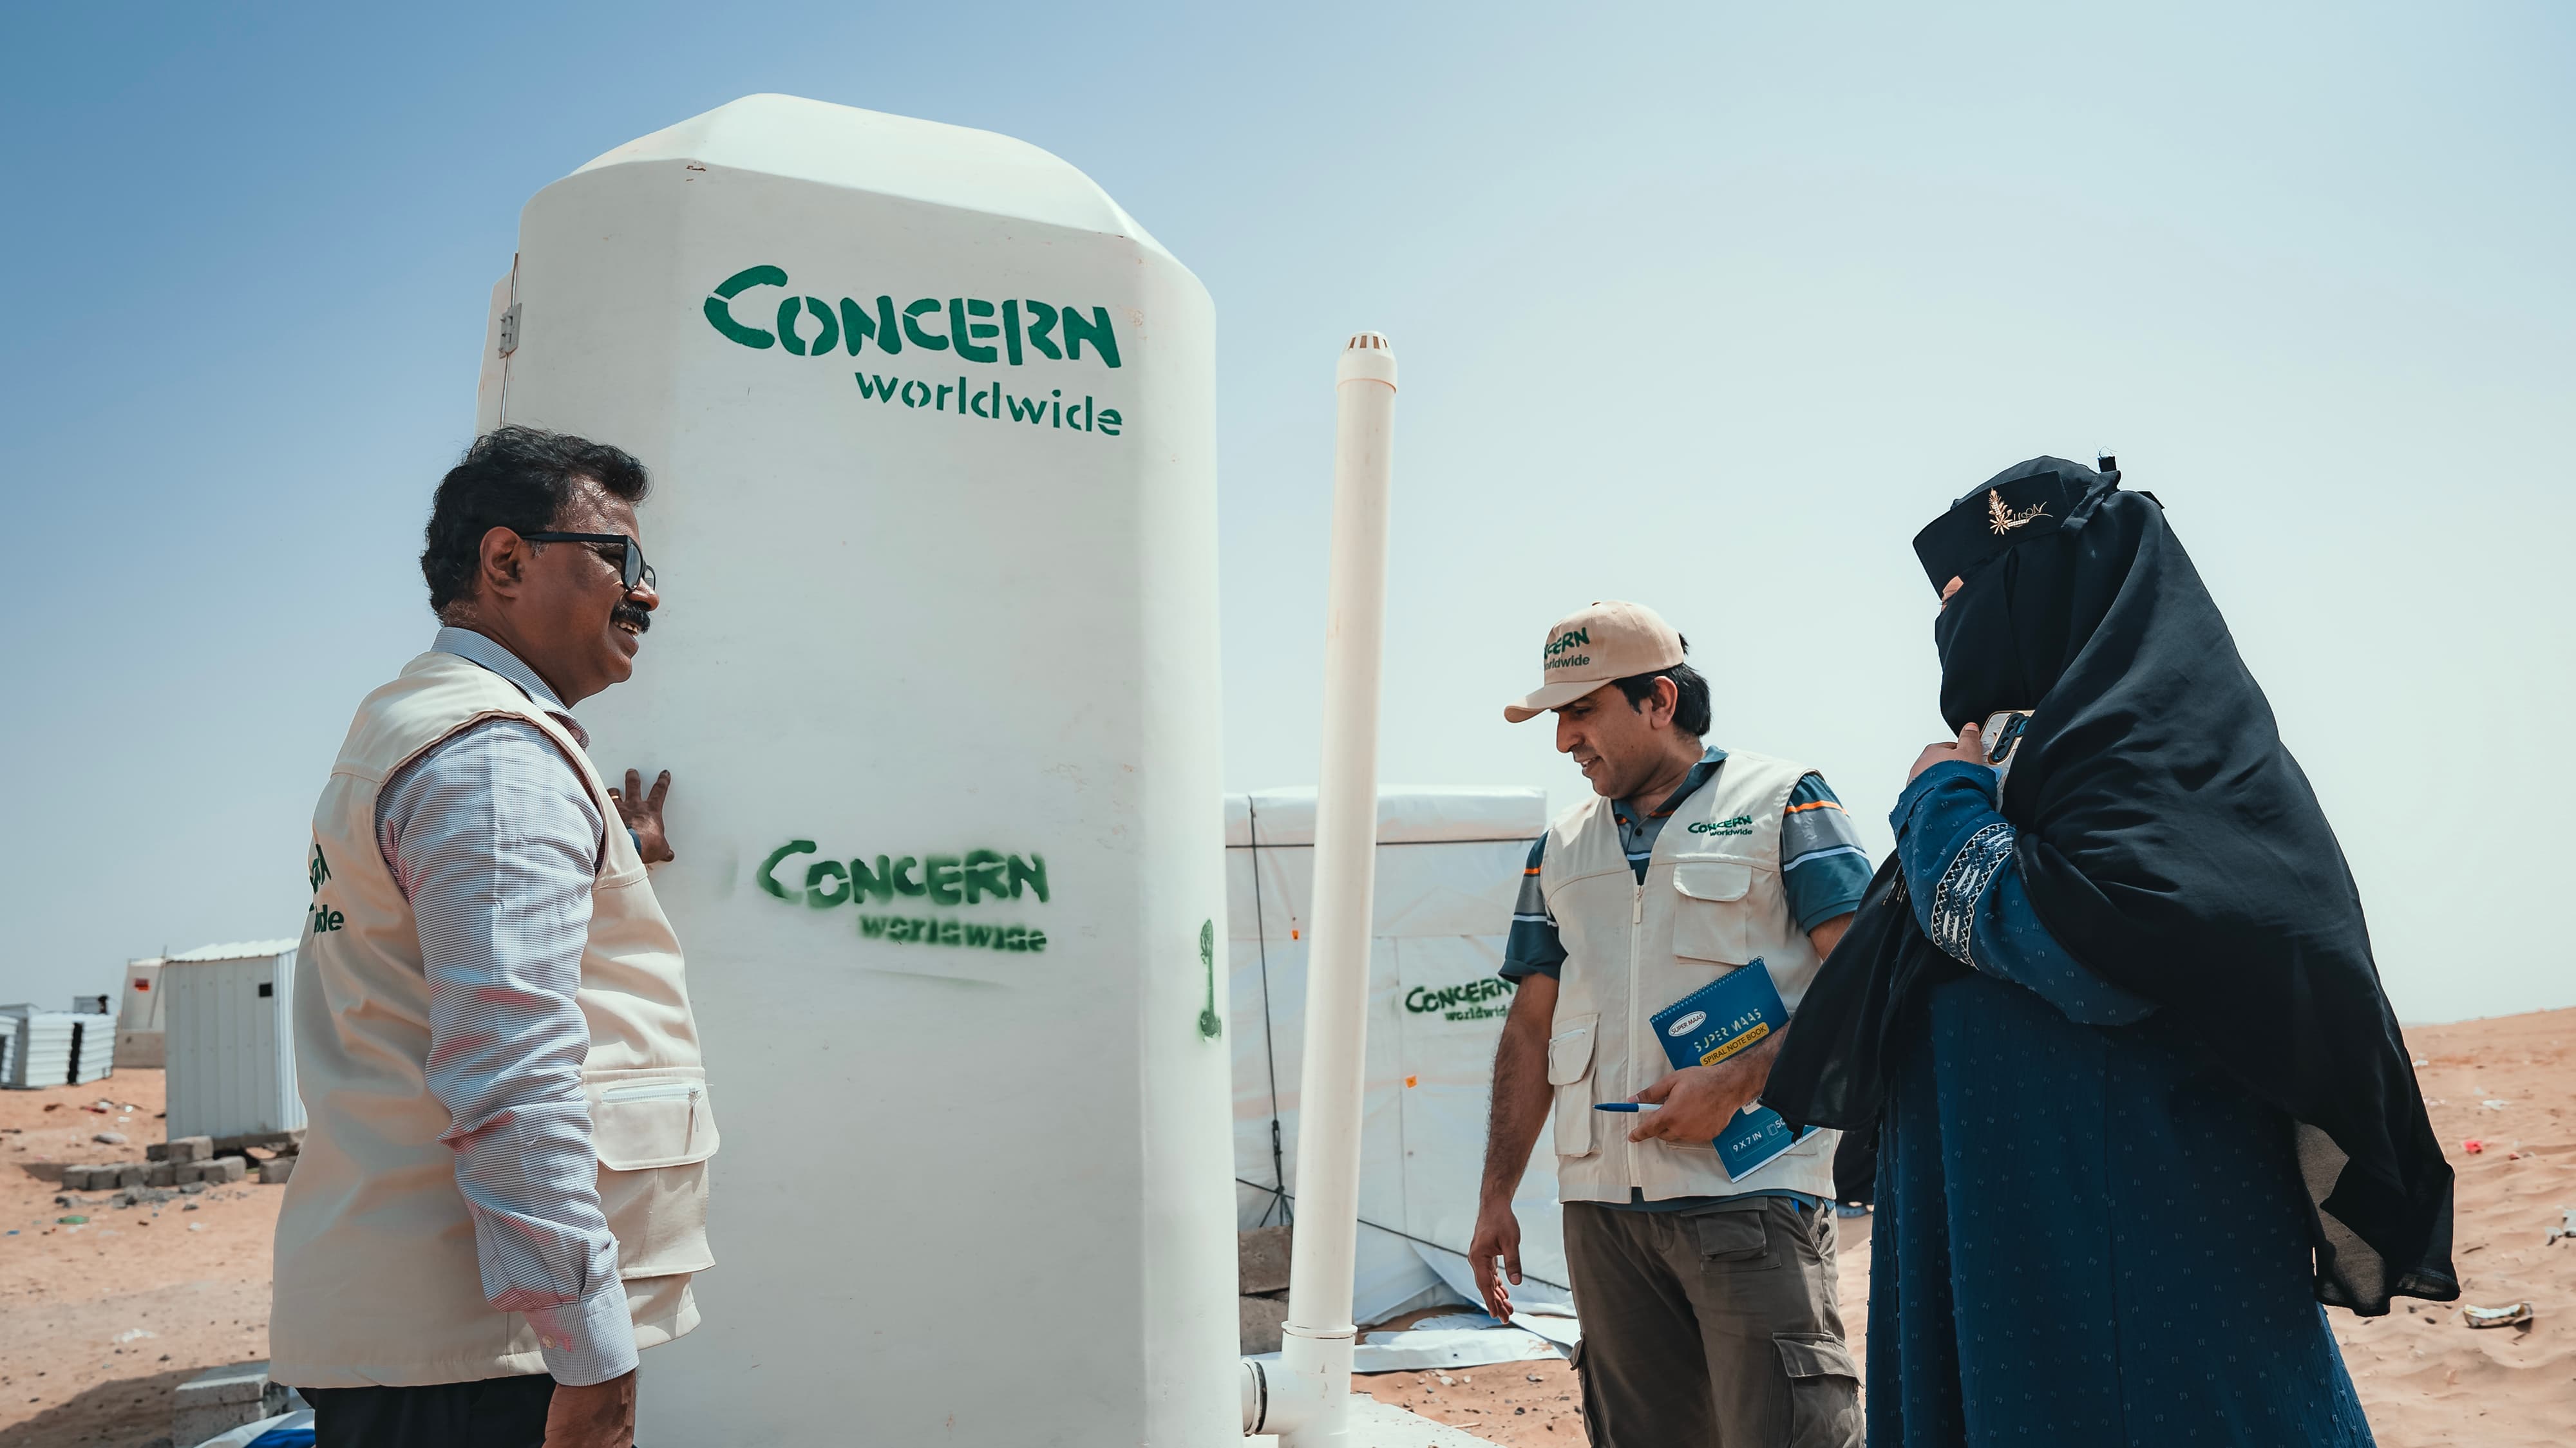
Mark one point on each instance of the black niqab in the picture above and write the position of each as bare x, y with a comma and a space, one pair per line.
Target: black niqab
2172, 846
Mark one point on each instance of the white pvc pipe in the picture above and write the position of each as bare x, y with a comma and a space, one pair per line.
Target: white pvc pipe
1309, 1394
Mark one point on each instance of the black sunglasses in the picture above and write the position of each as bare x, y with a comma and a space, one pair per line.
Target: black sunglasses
631, 568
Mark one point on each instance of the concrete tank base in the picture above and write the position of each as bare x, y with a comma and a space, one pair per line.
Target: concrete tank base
1383, 1425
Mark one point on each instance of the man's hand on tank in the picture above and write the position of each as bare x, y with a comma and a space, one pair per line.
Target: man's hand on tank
642, 811
1698, 1101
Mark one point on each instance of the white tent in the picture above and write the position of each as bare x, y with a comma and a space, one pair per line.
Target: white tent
1448, 865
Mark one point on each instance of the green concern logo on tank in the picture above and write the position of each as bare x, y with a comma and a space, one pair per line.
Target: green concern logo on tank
1015, 330
948, 882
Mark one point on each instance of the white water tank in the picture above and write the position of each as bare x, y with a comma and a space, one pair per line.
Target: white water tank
930, 422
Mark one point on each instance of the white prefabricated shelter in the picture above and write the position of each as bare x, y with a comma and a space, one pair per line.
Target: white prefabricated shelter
228, 1023
140, 1040
55, 1048
1449, 863
930, 421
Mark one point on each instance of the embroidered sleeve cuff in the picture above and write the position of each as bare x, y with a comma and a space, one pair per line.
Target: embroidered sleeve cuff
589, 1341
1952, 778
1950, 841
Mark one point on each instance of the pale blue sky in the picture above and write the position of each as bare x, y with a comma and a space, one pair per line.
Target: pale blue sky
1709, 306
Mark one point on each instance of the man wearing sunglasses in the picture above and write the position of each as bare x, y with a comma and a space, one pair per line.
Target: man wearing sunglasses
502, 1192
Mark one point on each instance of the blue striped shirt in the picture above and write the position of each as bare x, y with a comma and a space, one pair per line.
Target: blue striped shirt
495, 840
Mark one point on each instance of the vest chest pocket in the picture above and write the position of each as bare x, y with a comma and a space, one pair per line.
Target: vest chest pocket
654, 1133
1712, 911
1569, 1070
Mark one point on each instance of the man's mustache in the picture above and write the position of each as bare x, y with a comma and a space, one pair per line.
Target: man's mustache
632, 613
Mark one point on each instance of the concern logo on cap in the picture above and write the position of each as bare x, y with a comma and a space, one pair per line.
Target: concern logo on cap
1592, 646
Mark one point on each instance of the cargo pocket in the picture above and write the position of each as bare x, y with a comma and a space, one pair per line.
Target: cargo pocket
1711, 919
1593, 1395
1824, 1391
1569, 1070
1734, 1239
654, 1131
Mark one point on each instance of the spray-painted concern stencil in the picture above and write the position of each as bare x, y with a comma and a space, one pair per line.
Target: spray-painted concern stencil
1477, 1000
949, 881
1211, 1025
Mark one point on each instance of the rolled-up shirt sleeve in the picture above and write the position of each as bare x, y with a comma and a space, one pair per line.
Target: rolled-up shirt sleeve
1957, 851
495, 841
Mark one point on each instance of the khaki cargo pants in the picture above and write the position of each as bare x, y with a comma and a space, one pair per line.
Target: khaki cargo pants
1718, 1327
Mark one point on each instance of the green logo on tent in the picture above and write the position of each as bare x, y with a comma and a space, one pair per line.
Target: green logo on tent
1474, 1001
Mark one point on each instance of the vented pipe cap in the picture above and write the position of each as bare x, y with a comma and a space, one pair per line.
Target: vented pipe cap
1368, 358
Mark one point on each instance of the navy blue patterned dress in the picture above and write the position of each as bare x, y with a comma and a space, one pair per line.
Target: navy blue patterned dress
2083, 1235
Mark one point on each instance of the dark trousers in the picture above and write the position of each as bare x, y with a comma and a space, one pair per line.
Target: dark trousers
1715, 1328
492, 1413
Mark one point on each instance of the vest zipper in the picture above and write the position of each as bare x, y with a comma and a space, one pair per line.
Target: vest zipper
1636, 1015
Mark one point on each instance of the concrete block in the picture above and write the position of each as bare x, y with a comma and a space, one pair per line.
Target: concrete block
192, 1148
163, 1174
220, 1399
189, 1171
132, 1173
288, 1141
223, 1169
141, 1050
76, 1178
1373, 1424
1259, 1318
274, 1173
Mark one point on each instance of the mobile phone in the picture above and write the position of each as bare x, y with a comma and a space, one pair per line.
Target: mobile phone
2003, 734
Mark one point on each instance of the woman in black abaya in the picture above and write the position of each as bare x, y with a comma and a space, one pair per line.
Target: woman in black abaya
2140, 1103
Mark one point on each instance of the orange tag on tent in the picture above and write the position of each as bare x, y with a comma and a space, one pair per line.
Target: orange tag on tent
1410, 1081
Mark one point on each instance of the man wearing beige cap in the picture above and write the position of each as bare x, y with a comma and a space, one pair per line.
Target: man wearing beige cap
1708, 1302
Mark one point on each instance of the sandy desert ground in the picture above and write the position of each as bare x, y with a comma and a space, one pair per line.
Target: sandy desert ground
2423, 1378
73, 1298
99, 1321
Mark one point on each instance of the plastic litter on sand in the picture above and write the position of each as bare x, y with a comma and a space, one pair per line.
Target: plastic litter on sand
2514, 1316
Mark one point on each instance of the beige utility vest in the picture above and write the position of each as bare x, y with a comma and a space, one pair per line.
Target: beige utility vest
1712, 901
377, 1276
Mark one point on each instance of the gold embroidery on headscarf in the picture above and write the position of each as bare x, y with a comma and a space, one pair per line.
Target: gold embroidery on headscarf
2005, 519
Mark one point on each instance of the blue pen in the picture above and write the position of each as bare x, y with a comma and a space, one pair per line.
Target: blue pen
1625, 1105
